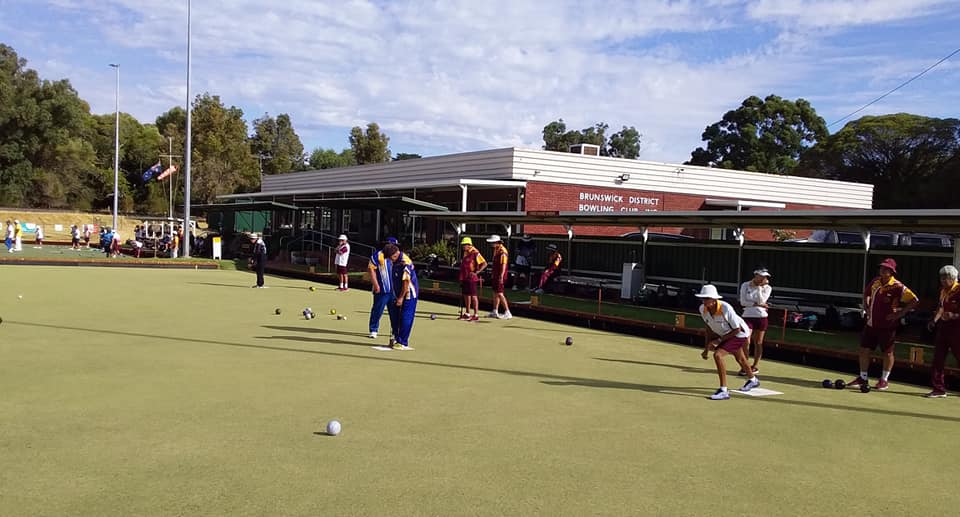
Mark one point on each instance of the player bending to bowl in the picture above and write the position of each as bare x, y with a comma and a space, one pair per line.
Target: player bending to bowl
404, 309
727, 334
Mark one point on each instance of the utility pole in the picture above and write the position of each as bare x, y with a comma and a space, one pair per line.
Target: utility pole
116, 151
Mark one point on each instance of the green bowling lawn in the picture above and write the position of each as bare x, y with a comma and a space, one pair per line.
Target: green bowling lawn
180, 392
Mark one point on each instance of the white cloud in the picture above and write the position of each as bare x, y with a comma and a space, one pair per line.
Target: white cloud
443, 76
838, 13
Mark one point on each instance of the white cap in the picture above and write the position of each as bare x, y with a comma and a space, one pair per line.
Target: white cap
342, 237
254, 235
709, 291
494, 238
762, 272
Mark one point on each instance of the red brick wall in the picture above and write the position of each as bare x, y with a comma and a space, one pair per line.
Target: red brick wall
565, 197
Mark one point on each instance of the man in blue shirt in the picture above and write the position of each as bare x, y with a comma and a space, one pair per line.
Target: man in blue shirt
381, 271
403, 309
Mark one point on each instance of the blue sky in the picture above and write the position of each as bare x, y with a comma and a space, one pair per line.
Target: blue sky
458, 75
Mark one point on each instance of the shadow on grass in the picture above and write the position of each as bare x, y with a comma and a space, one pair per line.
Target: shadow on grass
313, 330
245, 286
800, 383
559, 380
578, 332
305, 339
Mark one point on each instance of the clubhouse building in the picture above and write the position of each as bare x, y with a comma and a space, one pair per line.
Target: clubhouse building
371, 202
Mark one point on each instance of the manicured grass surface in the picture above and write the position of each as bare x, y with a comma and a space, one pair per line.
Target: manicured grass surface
172, 392
66, 253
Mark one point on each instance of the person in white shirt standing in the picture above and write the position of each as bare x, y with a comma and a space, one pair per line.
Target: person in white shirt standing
754, 295
343, 258
727, 334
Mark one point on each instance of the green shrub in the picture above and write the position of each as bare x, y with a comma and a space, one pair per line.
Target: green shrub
446, 251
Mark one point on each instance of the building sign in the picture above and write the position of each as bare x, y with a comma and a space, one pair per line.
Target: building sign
617, 201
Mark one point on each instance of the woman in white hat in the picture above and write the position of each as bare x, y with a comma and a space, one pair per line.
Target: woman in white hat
727, 334
754, 295
343, 258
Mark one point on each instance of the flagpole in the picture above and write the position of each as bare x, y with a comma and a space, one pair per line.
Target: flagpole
187, 152
170, 158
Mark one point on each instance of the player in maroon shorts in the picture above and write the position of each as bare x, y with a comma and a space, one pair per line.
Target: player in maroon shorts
885, 301
727, 334
552, 269
342, 260
498, 278
946, 321
471, 265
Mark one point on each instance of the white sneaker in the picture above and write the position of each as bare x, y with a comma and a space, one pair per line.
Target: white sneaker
373, 335
506, 316
721, 394
494, 315
750, 384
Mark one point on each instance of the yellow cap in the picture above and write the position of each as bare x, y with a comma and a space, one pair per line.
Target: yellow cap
466, 240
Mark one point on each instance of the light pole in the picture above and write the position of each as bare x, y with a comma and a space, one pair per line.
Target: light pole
187, 152
116, 151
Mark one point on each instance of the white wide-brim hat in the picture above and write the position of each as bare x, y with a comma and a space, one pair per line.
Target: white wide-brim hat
709, 291
254, 236
342, 237
494, 238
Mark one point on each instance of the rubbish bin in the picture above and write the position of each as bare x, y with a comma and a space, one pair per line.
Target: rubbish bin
631, 281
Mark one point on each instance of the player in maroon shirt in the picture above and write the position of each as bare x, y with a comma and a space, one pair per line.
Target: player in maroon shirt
472, 264
498, 278
885, 301
946, 321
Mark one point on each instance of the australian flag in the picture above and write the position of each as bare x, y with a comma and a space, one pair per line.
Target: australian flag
149, 173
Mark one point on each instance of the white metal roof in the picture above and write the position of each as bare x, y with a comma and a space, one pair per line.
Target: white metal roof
514, 166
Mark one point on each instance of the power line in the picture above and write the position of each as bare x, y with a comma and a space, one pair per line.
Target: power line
908, 81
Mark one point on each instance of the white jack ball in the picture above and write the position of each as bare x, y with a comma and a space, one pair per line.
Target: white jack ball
333, 428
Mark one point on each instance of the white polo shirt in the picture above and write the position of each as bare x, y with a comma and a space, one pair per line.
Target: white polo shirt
343, 255
751, 296
727, 320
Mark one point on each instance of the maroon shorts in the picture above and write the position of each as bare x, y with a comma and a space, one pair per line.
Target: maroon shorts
758, 324
497, 286
341, 270
733, 344
468, 288
871, 338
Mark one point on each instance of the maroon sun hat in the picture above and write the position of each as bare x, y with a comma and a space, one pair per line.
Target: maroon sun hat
890, 264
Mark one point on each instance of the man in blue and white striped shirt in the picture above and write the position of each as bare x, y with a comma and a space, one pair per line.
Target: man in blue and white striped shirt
381, 276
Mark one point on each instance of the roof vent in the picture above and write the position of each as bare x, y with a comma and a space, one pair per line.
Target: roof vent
585, 149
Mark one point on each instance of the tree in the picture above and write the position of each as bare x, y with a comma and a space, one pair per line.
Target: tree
276, 141
222, 163
406, 156
322, 158
911, 160
45, 159
371, 146
622, 144
768, 135
140, 148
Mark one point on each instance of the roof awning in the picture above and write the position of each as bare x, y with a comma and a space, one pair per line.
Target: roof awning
741, 203
373, 203
246, 205
934, 221
382, 187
